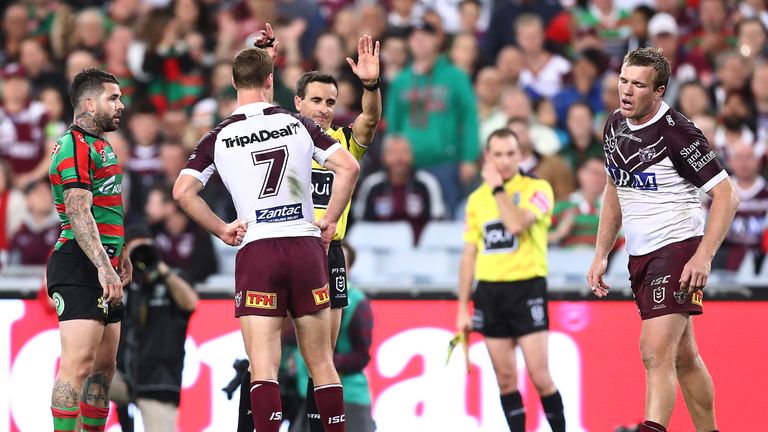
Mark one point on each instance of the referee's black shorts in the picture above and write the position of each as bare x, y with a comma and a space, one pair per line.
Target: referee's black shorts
510, 309
337, 275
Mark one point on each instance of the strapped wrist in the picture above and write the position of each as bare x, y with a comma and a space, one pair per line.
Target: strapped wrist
373, 87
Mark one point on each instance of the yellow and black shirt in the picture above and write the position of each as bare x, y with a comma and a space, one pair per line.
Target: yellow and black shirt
322, 179
503, 257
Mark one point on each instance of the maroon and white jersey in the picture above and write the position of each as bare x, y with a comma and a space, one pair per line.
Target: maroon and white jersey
22, 137
263, 154
657, 168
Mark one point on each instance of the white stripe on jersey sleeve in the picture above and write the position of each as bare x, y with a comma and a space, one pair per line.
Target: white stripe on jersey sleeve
320, 155
714, 181
202, 176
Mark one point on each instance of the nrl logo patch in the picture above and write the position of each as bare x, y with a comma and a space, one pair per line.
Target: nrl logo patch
58, 301
658, 294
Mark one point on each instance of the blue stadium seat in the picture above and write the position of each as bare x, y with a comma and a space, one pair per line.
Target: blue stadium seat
442, 235
382, 237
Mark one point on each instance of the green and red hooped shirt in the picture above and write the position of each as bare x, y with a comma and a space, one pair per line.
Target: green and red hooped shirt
82, 160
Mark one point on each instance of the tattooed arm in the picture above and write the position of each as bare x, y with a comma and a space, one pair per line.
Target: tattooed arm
78, 203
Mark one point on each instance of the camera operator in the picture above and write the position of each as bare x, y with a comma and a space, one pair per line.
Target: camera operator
159, 303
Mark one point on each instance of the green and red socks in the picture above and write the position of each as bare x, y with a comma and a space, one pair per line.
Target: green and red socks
94, 418
64, 419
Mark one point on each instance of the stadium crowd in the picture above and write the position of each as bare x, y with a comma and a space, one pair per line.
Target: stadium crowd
452, 72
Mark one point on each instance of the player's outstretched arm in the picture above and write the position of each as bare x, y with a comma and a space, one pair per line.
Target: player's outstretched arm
725, 201
185, 193
78, 203
367, 69
607, 231
466, 277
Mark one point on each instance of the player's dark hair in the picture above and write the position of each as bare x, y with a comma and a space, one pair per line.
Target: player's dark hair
89, 82
500, 133
653, 58
314, 76
251, 68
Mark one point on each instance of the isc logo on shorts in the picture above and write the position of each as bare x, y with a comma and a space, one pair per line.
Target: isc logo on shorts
261, 300
321, 295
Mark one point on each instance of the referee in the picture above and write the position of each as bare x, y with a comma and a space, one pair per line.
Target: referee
505, 250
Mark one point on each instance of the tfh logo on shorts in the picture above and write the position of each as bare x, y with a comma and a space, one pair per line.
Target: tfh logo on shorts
658, 294
697, 297
321, 295
260, 300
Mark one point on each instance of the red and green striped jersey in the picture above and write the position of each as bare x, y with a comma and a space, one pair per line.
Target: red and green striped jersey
82, 160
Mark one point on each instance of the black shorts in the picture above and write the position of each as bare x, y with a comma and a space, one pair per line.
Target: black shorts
510, 309
337, 275
73, 284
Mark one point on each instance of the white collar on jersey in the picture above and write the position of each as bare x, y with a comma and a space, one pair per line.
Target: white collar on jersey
662, 109
251, 109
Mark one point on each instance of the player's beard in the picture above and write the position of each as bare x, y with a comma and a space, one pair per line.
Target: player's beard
105, 122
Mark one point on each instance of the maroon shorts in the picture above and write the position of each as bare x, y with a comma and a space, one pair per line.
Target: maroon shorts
655, 279
278, 275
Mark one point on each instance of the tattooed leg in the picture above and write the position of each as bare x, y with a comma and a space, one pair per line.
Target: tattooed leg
96, 390
65, 394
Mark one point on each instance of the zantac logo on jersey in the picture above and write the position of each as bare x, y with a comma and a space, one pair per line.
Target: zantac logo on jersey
635, 180
280, 213
261, 136
260, 300
498, 239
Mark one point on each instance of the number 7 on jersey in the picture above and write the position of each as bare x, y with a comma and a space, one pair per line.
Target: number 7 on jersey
275, 159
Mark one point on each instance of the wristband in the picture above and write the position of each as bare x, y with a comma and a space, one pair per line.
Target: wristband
373, 87
498, 189
268, 44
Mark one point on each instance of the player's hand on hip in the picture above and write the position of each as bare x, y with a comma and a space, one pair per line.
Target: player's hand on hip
327, 230
367, 66
463, 321
112, 285
125, 268
695, 274
595, 277
234, 232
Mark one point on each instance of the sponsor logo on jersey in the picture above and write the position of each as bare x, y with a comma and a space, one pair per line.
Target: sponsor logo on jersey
282, 213
497, 239
646, 153
321, 295
631, 137
634, 180
695, 157
261, 136
322, 182
260, 300
58, 301
111, 187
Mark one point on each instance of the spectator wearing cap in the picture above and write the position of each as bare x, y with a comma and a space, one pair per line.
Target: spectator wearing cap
22, 128
39, 230
543, 71
664, 33
583, 86
431, 102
